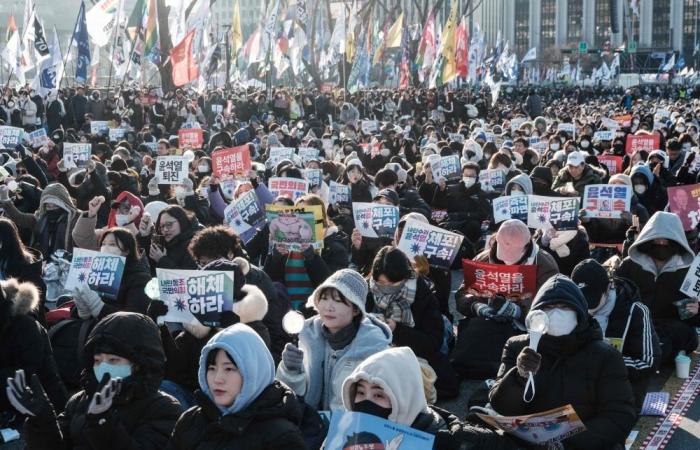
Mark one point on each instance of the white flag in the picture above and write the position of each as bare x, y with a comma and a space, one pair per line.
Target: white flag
531, 55
13, 56
48, 77
101, 20
669, 65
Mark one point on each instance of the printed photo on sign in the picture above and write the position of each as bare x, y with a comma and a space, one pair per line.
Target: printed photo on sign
101, 272
492, 180
190, 137
375, 220
606, 201
76, 155
512, 282
195, 296
295, 228
99, 127
38, 138
171, 169
339, 193
360, 431
234, 161
244, 214
552, 212
438, 245
292, 188
542, 428
510, 207
684, 201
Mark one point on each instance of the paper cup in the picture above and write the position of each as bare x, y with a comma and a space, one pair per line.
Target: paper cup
682, 366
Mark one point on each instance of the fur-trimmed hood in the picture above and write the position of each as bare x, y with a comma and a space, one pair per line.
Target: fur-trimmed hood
18, 299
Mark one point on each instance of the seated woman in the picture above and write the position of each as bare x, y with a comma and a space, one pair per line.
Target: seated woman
334, 342
240, 404
120, 406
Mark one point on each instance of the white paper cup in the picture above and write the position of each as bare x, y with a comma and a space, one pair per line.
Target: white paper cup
682, 366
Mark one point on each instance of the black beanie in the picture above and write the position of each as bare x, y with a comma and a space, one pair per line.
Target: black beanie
592, 279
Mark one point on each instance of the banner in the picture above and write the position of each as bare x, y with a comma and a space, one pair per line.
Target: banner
437, 244
339, 193
509, 281
354, 430
607, 201
38, 138
195, 296
492, 180
10, 136
375, 220
456, 137
244, 214
292, 188
546, 212
684, 201
234, 161
450, 167
190, 137
171, 169
613, 163
76, 155
295, 228
510, 207
648, 142
102, 272
543, 428
99, 127
308, 153
277, 154
101, 20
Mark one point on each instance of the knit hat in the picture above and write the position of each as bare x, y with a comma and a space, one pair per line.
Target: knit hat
349, 283
388, 194
592, 279
621, 177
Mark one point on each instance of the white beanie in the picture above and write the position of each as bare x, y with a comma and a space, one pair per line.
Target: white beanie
349, 283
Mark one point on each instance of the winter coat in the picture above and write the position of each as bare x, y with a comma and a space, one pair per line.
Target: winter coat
141, 417
410, 201
30, 272
590, 175
614, 230
578, 369
324, 369
568, 249
466, 208
655, 198
176, 254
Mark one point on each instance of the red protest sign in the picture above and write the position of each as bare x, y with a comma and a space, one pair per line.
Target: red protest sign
234, 160
613, 163
509, 281
684, 201
625, 120
191, 137
648, 142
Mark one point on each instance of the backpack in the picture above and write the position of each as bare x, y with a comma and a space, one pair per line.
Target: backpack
68, 339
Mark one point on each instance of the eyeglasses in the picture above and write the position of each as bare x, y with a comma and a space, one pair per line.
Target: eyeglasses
167, 225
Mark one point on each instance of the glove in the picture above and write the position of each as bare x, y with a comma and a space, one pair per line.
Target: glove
528, 361
62, 166
102, 400
4, 193
91, 301
483, 310
153, 187
504, 308
309, 253
292, 357
28, 401
156, 308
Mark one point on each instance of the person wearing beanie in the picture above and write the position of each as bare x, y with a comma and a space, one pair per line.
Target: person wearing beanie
239, 404
576, 175
394, 177
572, 365
361, 187
624, 320
334, 342
541, 178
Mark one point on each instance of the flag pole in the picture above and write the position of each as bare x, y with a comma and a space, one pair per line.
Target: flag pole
65, 57
114, 44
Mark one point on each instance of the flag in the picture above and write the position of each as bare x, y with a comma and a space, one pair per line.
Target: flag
40, 44
269, 34
50, 73
184, 66
426, 47
462, 49
236, 33
80, 35
350, 34
449, 36
635, 7
531, 55
615, 64
393, 37
151, 46
135, 22
11, 27
669, 65
681, 62
302, 15
405, 70
12, 54
101, 20
27, 39
337, 43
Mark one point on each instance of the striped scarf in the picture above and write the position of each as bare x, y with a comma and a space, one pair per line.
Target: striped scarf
296, 280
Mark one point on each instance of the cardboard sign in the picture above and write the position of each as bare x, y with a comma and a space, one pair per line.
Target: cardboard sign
116, 134
38, 138
547, 212
543, 428
354, 430
437, 244
512, 282
308, 153
195, 296
76, 154
456, 137
295, 228
235, 160
171, 169
101, 272
369, 126
313, 176
245, 214
600, 136
277, 154
568, 128
99, 127
450, 167
190, 137
339, 193
684, 201
510, 207
292, 188
648, 142
375, 220
613, 163
492, 180
607, 201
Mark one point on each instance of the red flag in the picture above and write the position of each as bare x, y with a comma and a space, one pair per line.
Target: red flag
184, 66
462, 49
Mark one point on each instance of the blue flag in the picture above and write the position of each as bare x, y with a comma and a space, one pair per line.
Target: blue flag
80, 35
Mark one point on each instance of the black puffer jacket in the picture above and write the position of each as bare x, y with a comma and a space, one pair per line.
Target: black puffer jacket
466, 208
176, 254
578, 369
141, 418
270, 422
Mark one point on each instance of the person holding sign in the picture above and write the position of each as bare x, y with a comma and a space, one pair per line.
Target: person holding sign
240, 402
572, 365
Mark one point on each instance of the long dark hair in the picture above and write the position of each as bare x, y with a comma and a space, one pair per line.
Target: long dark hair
178, 213
13, 252
125, 241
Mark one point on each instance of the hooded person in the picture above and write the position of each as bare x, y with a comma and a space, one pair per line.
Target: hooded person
648, 188
125, 211
119, 406
240, 404
657, 263
541, 178
572, 365
519, 185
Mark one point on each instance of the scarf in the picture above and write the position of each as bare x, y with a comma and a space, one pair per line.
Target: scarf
394, 302
558, 243
344, 337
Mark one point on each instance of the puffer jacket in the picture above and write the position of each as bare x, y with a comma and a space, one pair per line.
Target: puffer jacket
176, 254
590, 175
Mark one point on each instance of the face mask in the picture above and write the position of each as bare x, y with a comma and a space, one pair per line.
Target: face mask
561, 321
203, 168
114, 370
585, 144
640, 189
515, 193
469, 181
554, 147
111, 250
371, 408
121, 219
680, 129
660, 252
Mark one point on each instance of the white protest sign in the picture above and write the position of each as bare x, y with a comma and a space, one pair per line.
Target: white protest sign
492, 180
375, 220
116, 134
38, 138
171, 169
278, 154
99, 127
369, 126
10, 136
600, 136
569, 128
557, 212
437, 244
339, 193
607, 201
691, 283
456, 137
76, 154
510, 207
292, 188
308, 153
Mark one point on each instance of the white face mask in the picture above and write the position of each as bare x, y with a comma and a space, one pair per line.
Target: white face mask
179, 191
121, 219
561, 321
585, 144
515, 193
469, 181
203, 168
554, 146
111, 250
640, 189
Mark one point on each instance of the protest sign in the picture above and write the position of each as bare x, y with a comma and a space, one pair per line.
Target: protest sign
339, 193
510, 207
307, 154
38, 138
195, 296
533, 140
116, 134
76, 154
277, 154
235, 160
10, 136
600, 136
684, 201
171, 169
354, 430
228, 187
369, 126
450, 167
548, 212
456, 137
437, 244
648, 142
509, 281
245, 214
190, 137
492, 180
543, 428
610, 124
327, 144
292, 188
568, 128
375, 220
313, 176
438, 215
102, 272
99, 127
691, 282
516, 122
613, 163
607, 201
295, 228
624, 120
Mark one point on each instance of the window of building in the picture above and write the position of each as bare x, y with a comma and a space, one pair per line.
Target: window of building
522, 26
602, 22
691, 9
661, 24
548, 24
574, 21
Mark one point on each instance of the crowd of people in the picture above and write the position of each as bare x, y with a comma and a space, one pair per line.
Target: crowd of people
380, 335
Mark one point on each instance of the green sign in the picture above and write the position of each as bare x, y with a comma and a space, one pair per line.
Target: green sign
583, 47
632, 48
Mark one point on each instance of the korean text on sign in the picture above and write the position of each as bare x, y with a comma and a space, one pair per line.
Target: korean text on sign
292, 188
234, 160
607, 201
171, 169
190, 137
438, 245
509, 281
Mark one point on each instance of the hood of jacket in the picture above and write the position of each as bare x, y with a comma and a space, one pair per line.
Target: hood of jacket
252, 358
662, 225
559, 289
56, 194
16, 299
643, 169
398, 373
521, 180
133, 201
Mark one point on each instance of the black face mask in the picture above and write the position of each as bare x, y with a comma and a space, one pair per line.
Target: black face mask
54, 214
371, 408
659, 252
